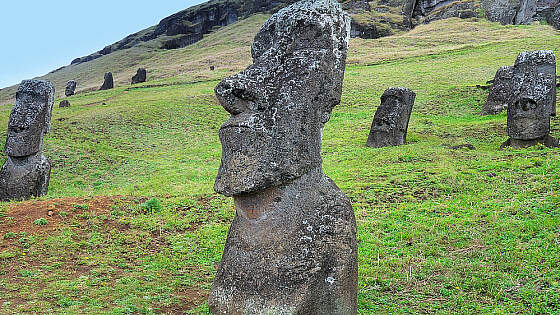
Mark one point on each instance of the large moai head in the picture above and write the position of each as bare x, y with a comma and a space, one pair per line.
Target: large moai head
390, 123
70, 88
30, 118
280, 103
534, 95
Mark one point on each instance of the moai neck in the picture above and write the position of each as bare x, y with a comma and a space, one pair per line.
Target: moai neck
254, 206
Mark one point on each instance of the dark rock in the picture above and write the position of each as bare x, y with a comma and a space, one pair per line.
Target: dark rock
107, 82
70, 88
534, 96
502, 11
140, 76
64, 103
390, 122
181, 41
527, 11
464, 146
291, 248
519, 11
212, 68
554, 18
427, 11
500, 93
26, 172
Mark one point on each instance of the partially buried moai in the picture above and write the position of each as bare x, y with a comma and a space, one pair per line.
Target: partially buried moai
533, 101
107, 82
291, 248
70, 88
390, 123
26, 172
500, 92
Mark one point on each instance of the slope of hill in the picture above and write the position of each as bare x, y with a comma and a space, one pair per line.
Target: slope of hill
132, 225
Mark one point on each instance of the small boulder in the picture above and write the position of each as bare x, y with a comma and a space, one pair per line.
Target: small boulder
70, 88
64, 103
212, 68
140, 76
390, 122
108, 82
500, 92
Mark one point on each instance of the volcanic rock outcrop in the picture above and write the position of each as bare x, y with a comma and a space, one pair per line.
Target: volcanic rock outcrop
390, 122
140, 76
107, 82
291, 248
500, 93
26, 172
70, 88
533, 101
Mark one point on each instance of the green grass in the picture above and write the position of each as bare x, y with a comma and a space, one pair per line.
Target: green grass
439, 230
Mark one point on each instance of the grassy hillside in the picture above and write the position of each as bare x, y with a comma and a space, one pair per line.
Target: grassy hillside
132, 225
222, 49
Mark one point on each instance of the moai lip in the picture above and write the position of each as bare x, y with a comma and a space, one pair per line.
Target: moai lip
291, 248
390, 123
26, 172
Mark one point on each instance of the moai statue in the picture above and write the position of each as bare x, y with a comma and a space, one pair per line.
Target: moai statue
70, 88
140, 76
390, 122
533, 101
107, 82
500, 92
26, 172
291, 248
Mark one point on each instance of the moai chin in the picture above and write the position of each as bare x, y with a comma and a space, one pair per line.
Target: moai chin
533, 101
390, 122
500, 92
291, 248
26, 172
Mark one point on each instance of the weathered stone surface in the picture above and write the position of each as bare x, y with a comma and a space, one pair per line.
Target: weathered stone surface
534, 95
30, 118
23, 178
547, 141
140, 76
26, 172
64, 103
70, 88
390, 122
291, 248
503, 11
554, 19
107, 81
500, 93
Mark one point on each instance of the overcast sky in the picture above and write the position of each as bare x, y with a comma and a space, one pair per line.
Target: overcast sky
39, 36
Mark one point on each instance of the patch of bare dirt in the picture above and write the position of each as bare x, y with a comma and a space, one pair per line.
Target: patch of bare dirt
20, 217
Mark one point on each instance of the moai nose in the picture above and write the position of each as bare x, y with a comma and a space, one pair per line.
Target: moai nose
234, 95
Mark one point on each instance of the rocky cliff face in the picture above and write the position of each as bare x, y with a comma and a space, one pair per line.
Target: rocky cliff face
521, 11
370, 19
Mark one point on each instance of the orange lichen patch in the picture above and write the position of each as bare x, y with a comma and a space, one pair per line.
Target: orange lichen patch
21, 217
